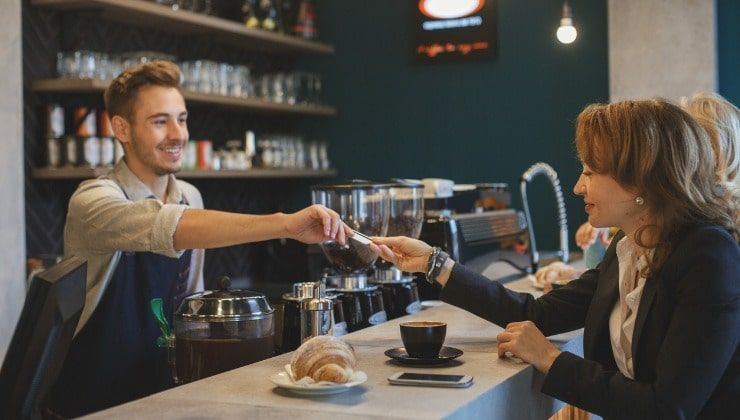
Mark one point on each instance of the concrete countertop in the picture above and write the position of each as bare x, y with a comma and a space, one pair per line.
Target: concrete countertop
503, 388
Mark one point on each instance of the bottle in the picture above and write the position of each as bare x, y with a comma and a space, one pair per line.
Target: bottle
249, 14
271, 20
305, 26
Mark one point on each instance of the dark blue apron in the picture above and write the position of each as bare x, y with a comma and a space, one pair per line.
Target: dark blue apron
114, 358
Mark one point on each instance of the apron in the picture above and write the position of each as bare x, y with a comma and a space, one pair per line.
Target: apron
114, 358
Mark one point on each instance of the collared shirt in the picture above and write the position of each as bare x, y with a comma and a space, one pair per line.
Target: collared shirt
118, 213
624, 314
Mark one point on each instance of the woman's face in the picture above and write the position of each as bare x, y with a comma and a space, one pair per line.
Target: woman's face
607, 203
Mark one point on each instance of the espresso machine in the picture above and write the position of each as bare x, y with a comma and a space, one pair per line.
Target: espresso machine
365, 207
474, 225
400, 292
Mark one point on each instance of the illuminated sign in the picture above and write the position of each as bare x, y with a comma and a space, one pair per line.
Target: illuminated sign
453, 30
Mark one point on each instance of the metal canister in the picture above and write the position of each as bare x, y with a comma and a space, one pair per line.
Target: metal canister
91, 151
54, 121
53, 152
70, 149
317, 314
107, 151
84, 122
205, 154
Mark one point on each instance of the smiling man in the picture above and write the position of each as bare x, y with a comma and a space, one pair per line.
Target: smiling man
143, 233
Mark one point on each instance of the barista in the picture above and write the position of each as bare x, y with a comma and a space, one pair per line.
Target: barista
143, 233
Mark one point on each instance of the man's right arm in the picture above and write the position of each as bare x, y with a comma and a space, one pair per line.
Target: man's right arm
106, 221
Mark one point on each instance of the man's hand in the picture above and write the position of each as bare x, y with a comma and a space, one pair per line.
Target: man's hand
525, 341
407, 254
586, 235
316, 224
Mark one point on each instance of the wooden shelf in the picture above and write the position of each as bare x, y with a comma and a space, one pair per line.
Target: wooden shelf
85, 173
150, 14
253, 104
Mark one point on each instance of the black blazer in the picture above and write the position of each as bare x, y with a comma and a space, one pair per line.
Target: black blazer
685, 343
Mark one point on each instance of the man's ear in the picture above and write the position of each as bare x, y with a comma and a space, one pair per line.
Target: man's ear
121, 129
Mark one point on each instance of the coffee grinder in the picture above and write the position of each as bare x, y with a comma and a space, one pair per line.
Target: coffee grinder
365, 207
400, 293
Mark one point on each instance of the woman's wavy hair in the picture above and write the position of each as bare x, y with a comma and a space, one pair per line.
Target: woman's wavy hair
657, 149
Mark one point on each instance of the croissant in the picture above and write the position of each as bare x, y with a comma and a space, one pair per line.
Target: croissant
324, 358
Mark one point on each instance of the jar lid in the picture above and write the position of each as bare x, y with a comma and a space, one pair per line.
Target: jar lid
225, 304
354, 184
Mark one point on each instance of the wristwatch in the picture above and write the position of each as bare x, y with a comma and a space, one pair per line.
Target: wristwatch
436, 261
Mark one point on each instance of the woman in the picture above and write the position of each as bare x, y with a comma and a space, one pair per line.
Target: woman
721, 121
661, 313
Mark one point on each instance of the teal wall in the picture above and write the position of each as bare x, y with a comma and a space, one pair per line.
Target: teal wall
471, 122
728, 49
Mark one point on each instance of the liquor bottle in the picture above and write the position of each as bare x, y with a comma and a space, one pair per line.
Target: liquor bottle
269, 10
305, 26
249, 14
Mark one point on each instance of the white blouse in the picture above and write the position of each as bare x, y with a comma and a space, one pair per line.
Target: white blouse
624, 314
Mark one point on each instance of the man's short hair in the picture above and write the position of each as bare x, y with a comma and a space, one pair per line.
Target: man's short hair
122, 92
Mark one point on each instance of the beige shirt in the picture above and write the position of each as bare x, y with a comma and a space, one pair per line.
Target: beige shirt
624, 314
117, 212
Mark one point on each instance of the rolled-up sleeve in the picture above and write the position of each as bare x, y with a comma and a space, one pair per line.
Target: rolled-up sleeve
102, 219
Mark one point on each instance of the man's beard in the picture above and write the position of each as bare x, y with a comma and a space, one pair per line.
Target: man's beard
150, 161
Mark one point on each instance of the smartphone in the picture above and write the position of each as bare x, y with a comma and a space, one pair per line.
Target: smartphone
430, 379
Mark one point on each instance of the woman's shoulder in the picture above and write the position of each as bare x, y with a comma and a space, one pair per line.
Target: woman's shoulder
707, 237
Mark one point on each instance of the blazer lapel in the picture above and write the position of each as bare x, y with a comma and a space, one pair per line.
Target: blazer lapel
602, 304
646, 301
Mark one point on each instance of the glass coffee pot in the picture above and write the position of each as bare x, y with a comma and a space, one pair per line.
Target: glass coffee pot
220, 330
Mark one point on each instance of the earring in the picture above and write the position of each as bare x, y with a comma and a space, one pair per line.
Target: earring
639, 200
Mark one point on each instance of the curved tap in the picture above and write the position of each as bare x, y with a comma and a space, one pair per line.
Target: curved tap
541, 168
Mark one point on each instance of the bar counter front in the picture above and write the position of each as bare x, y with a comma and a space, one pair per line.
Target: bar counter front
502, 388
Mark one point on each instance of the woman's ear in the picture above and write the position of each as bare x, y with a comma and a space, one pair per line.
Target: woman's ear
121, 129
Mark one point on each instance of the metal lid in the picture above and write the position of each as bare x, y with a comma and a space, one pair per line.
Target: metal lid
302, 291
350, 283
318, 302
353, 184
225, 304
404, 183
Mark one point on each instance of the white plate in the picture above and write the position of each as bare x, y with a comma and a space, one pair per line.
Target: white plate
431, 303
284, 380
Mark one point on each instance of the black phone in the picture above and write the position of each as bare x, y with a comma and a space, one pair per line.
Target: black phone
431, 379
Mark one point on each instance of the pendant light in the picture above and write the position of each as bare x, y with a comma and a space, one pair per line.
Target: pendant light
566, 32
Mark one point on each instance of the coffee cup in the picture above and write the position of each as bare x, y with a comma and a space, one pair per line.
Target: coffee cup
423, 339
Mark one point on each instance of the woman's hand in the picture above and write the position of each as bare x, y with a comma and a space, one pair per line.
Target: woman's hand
407, 254
316, 224
525, 341
586, 235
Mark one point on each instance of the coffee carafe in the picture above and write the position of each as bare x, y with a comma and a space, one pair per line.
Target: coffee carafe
220, 330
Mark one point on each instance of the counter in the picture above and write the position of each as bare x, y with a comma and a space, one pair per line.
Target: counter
503, 388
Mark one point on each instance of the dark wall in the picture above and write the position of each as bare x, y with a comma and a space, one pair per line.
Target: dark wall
728, 49
471, 122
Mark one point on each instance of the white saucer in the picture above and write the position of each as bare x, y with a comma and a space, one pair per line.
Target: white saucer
285, 380
431, 303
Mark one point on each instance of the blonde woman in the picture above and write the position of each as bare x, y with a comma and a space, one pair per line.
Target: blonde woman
661, 313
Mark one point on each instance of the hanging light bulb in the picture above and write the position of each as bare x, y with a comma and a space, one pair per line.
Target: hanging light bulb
566, 32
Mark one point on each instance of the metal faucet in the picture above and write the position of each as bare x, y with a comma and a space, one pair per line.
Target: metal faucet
541, 168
